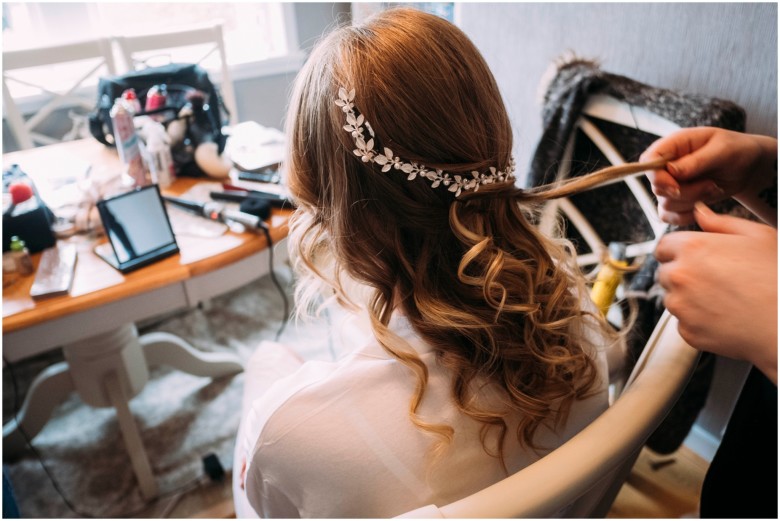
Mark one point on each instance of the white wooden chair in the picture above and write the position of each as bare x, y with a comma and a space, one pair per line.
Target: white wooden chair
611, 110
97, 59
582, 477
138, 50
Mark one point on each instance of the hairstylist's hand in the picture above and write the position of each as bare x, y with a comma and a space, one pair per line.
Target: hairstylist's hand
721, 284
709, 164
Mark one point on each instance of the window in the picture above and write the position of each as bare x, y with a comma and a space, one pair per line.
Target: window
254, 32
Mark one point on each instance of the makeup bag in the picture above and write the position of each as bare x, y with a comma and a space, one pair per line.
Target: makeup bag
192, 101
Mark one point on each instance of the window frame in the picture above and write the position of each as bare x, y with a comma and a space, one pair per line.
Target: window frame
290, 62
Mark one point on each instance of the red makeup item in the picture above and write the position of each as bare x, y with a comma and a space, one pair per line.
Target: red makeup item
20, 192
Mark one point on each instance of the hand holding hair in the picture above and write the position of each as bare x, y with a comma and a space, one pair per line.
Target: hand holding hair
595, 179
709, 164
721, 284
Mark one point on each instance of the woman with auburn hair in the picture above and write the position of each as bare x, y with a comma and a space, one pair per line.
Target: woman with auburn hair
485, 351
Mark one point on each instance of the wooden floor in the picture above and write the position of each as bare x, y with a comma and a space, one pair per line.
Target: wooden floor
660, 486
209, 501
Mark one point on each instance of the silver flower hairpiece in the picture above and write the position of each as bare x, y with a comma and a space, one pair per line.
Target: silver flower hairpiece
365, 150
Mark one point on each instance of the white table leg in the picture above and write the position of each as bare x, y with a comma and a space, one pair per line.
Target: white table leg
168, 349
107, 370
91, 360
49, 389
133, 443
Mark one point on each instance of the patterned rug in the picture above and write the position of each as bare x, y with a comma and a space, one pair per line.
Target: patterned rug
182, 418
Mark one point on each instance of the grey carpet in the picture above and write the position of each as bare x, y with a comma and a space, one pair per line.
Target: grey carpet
181, 417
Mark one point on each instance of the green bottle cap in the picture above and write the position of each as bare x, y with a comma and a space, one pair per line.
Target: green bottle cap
17, 244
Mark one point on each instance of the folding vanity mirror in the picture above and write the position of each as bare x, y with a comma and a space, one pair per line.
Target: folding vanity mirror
138, 229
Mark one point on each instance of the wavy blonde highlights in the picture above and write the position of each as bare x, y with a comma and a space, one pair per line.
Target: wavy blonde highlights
499, 303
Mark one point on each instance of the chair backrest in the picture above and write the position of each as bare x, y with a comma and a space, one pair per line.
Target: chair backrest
608, 109
98, 60
135, 51
582, 477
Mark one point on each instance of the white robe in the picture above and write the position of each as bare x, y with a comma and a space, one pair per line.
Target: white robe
334, 439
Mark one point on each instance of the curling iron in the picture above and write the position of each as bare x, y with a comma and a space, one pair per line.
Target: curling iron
217, 212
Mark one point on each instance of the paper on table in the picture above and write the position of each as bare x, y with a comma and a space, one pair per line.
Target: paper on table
188, 223
253, 147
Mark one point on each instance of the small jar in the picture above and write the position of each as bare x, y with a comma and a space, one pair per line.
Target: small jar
21, 256
9, 263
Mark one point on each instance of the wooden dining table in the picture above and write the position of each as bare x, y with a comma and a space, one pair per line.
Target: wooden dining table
106, 361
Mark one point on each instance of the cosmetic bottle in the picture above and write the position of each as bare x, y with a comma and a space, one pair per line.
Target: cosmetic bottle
134, 171
21, 256
609, 277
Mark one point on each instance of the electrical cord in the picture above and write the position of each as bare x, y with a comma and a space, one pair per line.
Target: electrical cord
274, 279
271, 272
187, 487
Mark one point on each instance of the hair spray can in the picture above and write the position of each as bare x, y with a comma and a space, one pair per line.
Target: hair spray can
134, 172
156, 98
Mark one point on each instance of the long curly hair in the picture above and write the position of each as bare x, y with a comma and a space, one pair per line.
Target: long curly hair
498, 302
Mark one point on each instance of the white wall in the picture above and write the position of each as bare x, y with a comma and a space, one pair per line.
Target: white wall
722, 50
265, 99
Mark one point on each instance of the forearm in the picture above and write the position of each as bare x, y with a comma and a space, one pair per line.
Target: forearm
760, 197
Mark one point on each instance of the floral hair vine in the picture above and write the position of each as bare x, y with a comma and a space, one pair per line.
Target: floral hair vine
356, 125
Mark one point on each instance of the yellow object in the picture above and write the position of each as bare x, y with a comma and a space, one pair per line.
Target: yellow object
609, 278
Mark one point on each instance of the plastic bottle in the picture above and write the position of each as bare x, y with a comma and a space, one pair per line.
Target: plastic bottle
609, 277
158, 153
156, 98
135, 173
131, 98
21, 256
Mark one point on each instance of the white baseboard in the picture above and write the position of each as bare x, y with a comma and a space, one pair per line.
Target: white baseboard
702, 443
